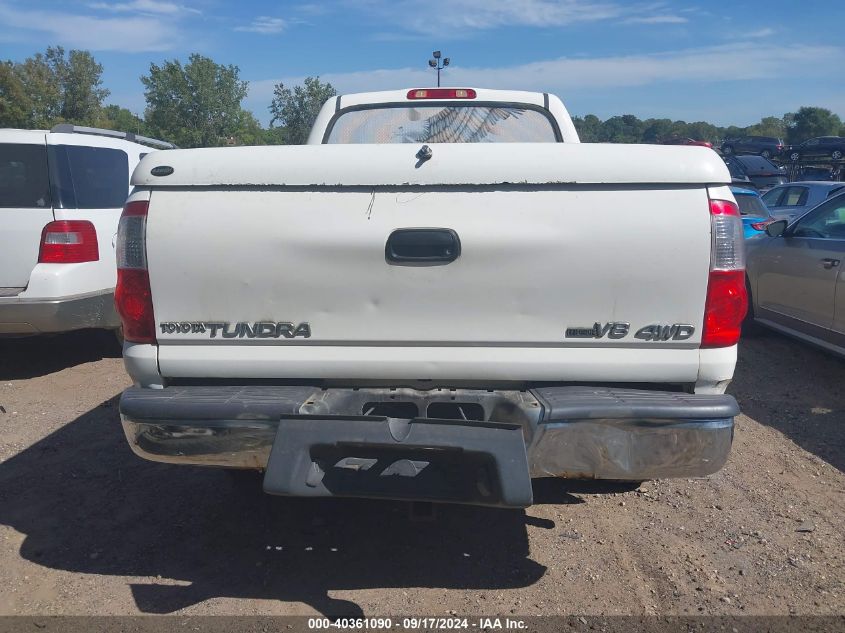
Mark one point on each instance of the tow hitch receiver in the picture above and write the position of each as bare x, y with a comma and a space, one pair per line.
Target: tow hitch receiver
419, 459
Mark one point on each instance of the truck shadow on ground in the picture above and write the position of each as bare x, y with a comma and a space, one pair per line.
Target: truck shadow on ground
86, 504
795, 388
34, 356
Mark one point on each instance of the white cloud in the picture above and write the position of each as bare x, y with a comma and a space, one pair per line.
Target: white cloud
570, 76
460, 16
154, 7
764, 32
130, 34
658, 19
265, 25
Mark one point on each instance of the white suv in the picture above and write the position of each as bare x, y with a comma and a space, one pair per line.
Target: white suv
61, 194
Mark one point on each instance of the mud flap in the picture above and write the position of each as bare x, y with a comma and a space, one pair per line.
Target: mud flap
455, 461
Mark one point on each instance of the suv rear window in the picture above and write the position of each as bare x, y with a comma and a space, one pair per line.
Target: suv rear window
88, 177
442, 124
24, 182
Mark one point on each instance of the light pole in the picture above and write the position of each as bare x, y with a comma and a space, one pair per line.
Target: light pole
435, 63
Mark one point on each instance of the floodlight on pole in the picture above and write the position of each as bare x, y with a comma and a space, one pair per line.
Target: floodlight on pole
435, 63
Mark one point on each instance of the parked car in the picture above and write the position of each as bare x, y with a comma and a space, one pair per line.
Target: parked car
686, 141
61, 193
759, 171
794, 276
765, 146
816, 173
755, 215
787, 202
832, 147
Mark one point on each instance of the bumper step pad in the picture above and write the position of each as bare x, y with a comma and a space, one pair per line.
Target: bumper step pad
389, 458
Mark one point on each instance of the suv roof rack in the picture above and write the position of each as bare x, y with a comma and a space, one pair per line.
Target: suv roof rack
69, 128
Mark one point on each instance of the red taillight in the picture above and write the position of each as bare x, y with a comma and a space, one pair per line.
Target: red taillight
132, 296
134, 303
727, 298
727, 302
442, 93
761, 226
69, 242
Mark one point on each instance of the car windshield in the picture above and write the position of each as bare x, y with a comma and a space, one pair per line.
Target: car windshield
442, 124
751, 205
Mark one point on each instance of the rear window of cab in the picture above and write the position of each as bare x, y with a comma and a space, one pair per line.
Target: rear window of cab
442, 123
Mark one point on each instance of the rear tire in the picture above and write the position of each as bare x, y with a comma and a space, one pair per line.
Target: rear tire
766, 153
750, 328
727, 150
794, 156
836, 154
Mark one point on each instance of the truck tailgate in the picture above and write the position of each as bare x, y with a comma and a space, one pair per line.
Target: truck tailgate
539, 266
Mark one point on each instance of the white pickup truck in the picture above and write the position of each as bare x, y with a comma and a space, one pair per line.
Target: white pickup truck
440, 297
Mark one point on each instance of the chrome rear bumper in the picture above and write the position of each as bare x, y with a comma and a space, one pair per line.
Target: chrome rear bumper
574, 432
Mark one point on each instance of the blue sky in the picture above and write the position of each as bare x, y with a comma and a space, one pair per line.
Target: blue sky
724, 62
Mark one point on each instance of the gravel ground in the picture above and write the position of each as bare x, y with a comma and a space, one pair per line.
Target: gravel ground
88, 528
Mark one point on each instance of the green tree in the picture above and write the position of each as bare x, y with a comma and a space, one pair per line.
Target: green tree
622, 129
768, 126
294, 111
80, 78
15, 106
702, 131
809, 122
195, 105
52, 87
43, 90
588, 128
249, 131
114, 117
657, 130
732, 131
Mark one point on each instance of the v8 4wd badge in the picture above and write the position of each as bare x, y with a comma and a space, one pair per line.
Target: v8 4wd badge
620, 329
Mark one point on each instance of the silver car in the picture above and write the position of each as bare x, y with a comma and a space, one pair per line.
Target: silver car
796, 276
787, 202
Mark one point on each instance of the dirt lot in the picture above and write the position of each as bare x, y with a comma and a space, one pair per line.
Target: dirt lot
87, 528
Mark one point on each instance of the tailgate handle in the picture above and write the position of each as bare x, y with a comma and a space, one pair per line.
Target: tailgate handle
422, 247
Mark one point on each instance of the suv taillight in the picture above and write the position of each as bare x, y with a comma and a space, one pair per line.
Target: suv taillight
69, 242
727, 299
132, 296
